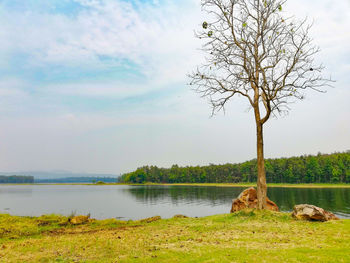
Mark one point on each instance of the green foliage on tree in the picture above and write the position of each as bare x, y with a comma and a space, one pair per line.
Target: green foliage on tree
322, 168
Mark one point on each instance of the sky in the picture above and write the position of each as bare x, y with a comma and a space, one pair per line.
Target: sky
100, 86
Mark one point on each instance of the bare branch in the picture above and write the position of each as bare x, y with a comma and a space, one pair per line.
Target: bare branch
255, 52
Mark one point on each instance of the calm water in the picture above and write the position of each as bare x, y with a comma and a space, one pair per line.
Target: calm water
135, 202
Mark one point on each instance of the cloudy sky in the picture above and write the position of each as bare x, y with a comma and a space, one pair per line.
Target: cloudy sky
100, 86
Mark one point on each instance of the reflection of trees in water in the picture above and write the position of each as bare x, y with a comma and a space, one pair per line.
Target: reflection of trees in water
184, 194
333, 199
16, 191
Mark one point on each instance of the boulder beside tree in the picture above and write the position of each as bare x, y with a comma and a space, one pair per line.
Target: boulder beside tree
249, 199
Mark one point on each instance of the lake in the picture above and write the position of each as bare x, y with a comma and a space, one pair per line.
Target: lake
136, 202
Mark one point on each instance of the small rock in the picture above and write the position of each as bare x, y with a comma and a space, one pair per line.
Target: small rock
78, 220
150, 219
312, 213
63, 222
180, 216
248, 199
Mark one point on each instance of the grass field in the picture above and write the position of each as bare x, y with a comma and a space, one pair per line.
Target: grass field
247, 236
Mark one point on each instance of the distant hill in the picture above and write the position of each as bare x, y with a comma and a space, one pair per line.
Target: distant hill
16, 179
58, 174
57, 177
78, 180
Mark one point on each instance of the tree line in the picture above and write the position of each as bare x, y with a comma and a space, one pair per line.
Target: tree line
320, 168
78, 180
16, 179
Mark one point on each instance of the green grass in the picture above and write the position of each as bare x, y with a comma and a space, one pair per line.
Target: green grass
246, 236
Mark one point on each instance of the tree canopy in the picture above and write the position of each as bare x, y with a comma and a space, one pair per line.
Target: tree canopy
321, 168
252, 50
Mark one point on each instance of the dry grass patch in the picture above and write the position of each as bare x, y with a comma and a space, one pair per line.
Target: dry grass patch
248, 236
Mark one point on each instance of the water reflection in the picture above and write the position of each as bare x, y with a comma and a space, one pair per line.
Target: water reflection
332, 199
336, 200
16, 191
183, 194
136, 202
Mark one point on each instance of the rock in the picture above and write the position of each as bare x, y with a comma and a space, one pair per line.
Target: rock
180, 216
248, 199
150, 219
78, 220
63, 222
313, 213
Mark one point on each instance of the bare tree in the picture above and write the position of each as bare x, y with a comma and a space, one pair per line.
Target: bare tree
255, 52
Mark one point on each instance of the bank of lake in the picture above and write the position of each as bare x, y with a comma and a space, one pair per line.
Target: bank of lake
246, 236
320, 185
283, 185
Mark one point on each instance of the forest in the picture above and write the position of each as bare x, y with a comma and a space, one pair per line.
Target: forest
16, 179
320, 168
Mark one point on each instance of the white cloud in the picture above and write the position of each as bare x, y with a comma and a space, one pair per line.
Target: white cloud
145, 35
12, 88
158, 38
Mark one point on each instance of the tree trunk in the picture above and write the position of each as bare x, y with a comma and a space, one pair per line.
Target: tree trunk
261, 182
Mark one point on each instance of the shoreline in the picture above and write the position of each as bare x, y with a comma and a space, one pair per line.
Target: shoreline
130, 220
281, 185
237, 237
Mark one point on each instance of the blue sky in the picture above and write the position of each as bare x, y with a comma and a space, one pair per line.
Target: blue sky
100, 86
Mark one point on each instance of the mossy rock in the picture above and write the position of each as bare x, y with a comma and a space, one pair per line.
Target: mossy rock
180, 216
150, 219
78, 220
